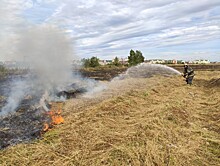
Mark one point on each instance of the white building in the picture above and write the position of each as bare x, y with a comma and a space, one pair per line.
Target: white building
201, 61
105, 62
157, 61
123, 61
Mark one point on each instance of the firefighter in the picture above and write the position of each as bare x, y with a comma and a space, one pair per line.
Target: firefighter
188, 73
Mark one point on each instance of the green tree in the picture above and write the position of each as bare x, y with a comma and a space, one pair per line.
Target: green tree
135, 58
131, 58
94, 62
116, 61
139, 57
91, 62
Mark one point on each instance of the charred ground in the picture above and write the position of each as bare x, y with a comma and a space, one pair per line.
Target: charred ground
27, 122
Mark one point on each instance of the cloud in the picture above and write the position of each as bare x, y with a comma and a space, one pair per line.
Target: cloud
116, 25
107, 28
10, 24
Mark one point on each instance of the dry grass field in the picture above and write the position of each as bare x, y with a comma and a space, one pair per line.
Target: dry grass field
159, 121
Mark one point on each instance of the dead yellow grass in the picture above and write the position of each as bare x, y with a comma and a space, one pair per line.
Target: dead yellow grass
159, 121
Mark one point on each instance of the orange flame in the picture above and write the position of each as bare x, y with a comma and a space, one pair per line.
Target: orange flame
55, 115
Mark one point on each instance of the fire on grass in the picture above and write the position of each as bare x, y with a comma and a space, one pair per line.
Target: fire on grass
54, 115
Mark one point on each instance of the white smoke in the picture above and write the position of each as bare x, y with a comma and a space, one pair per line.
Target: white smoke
93, 88
48, 52
16, 95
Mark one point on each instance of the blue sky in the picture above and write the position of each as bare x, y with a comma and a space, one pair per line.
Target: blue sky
169, 29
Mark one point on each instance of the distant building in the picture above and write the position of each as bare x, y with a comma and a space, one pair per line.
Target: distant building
174, 61
171, 61
123, 61
105, 62
157, 61
201, 61
102, 62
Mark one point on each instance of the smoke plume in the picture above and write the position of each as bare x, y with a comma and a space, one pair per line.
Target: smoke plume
48, 53
14, 98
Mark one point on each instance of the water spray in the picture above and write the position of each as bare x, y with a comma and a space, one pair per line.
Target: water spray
145, 70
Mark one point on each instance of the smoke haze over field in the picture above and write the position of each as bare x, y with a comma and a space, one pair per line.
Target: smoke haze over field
16, 95
49, 53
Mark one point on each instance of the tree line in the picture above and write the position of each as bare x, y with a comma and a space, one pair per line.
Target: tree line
134, 58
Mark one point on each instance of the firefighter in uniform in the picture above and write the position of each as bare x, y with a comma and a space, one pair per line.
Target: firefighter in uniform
188, 73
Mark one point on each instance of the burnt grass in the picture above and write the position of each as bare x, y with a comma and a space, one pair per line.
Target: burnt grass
103, 74
197, 67
23, 126
27, 122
